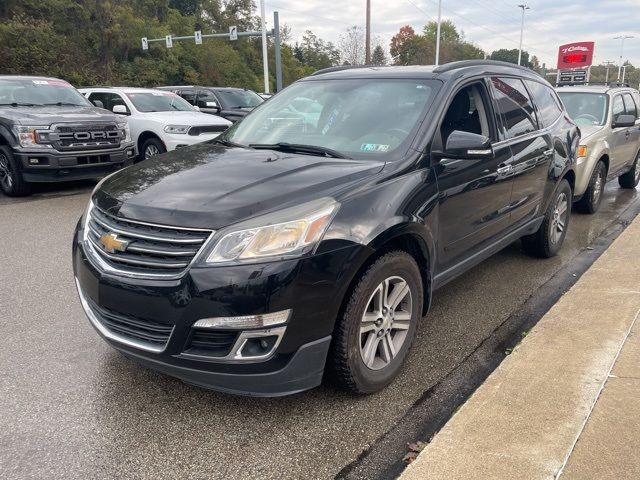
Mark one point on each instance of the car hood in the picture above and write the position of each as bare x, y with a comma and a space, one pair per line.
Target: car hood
53, 114
211, 186
185, 118
588, 131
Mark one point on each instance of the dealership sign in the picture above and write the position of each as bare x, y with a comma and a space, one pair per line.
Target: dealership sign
575, 55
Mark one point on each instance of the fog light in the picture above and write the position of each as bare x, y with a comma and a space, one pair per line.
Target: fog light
246, 321
34, 161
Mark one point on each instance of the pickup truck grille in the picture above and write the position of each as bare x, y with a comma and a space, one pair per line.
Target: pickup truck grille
70, 137
140, 249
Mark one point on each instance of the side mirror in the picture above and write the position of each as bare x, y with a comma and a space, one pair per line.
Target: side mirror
196, 107
624, 121
120, 109
98, 103
467, 145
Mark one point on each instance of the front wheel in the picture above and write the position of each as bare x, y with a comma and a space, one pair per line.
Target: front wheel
546, 242
632, 177
151, 147
374, 335
11, 181
590, 201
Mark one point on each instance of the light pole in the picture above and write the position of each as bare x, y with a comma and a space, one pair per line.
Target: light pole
524, 7
367, 47
622, 38
624, 73
438, 33
265, 61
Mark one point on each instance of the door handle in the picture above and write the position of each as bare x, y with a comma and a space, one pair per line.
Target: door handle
504, 169
548, 153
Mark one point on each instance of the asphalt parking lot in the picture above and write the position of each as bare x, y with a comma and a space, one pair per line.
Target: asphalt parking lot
74, 408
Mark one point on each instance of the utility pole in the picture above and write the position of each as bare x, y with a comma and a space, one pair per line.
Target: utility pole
265, 60
367, 47
622, 38
524, 7
607, 64
438, 33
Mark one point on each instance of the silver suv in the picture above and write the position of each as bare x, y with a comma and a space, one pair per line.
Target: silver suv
610, 143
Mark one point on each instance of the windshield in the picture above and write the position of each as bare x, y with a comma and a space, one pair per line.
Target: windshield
585, 108
363, 118
38, 92
239, 98
159, 102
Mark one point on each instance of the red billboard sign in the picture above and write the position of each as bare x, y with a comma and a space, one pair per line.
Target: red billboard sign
575, 55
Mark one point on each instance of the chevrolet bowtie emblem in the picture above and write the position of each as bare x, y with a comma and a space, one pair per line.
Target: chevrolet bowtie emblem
112, 243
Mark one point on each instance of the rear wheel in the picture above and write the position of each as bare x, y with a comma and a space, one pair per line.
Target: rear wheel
374, 335
631, 178
546, 242
11, 181
592, 197
151, 147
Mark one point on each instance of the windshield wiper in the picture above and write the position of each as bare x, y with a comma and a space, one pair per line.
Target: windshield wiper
228, 143
16, 104
300, 148
63, 104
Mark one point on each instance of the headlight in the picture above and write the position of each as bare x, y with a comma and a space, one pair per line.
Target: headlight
288, 233
177, 128
85, 220
126, 131
31, 136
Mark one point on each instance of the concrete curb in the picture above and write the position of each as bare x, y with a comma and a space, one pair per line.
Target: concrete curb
523, 422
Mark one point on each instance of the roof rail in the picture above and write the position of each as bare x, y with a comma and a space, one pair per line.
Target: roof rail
340, 68
477, 63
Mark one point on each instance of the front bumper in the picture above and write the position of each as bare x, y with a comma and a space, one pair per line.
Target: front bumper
183, 140
52, 166
312, 288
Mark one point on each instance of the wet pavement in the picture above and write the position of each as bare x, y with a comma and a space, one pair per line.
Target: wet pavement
74, 408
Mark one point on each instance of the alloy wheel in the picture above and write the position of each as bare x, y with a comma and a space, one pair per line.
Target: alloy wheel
6, 178
150, 151
385, 322
598, 186
559, 220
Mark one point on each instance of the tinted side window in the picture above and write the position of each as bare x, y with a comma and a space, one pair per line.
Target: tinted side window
188, 95
546, 100
630, 107
515, 105
617, 108
205, 96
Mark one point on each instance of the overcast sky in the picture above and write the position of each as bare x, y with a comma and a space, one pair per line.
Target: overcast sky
491, 24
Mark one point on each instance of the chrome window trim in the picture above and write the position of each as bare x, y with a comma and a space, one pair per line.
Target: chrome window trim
93, 319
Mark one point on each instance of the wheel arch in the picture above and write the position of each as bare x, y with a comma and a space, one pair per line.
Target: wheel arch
144, 136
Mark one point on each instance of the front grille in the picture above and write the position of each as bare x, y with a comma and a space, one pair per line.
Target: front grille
195, 131
147, 250
211, 343
134, 328
66, 137
93, 159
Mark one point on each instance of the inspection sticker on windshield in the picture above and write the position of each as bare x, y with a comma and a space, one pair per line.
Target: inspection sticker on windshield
374, 147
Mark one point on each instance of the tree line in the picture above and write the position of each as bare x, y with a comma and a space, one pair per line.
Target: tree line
97, 42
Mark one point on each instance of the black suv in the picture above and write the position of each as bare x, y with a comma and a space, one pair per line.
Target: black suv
303, 242
227, 102
49, 133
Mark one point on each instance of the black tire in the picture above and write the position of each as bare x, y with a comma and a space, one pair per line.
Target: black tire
546, 242
590, 201
346, 366
11, 181
631, 178
150, 147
